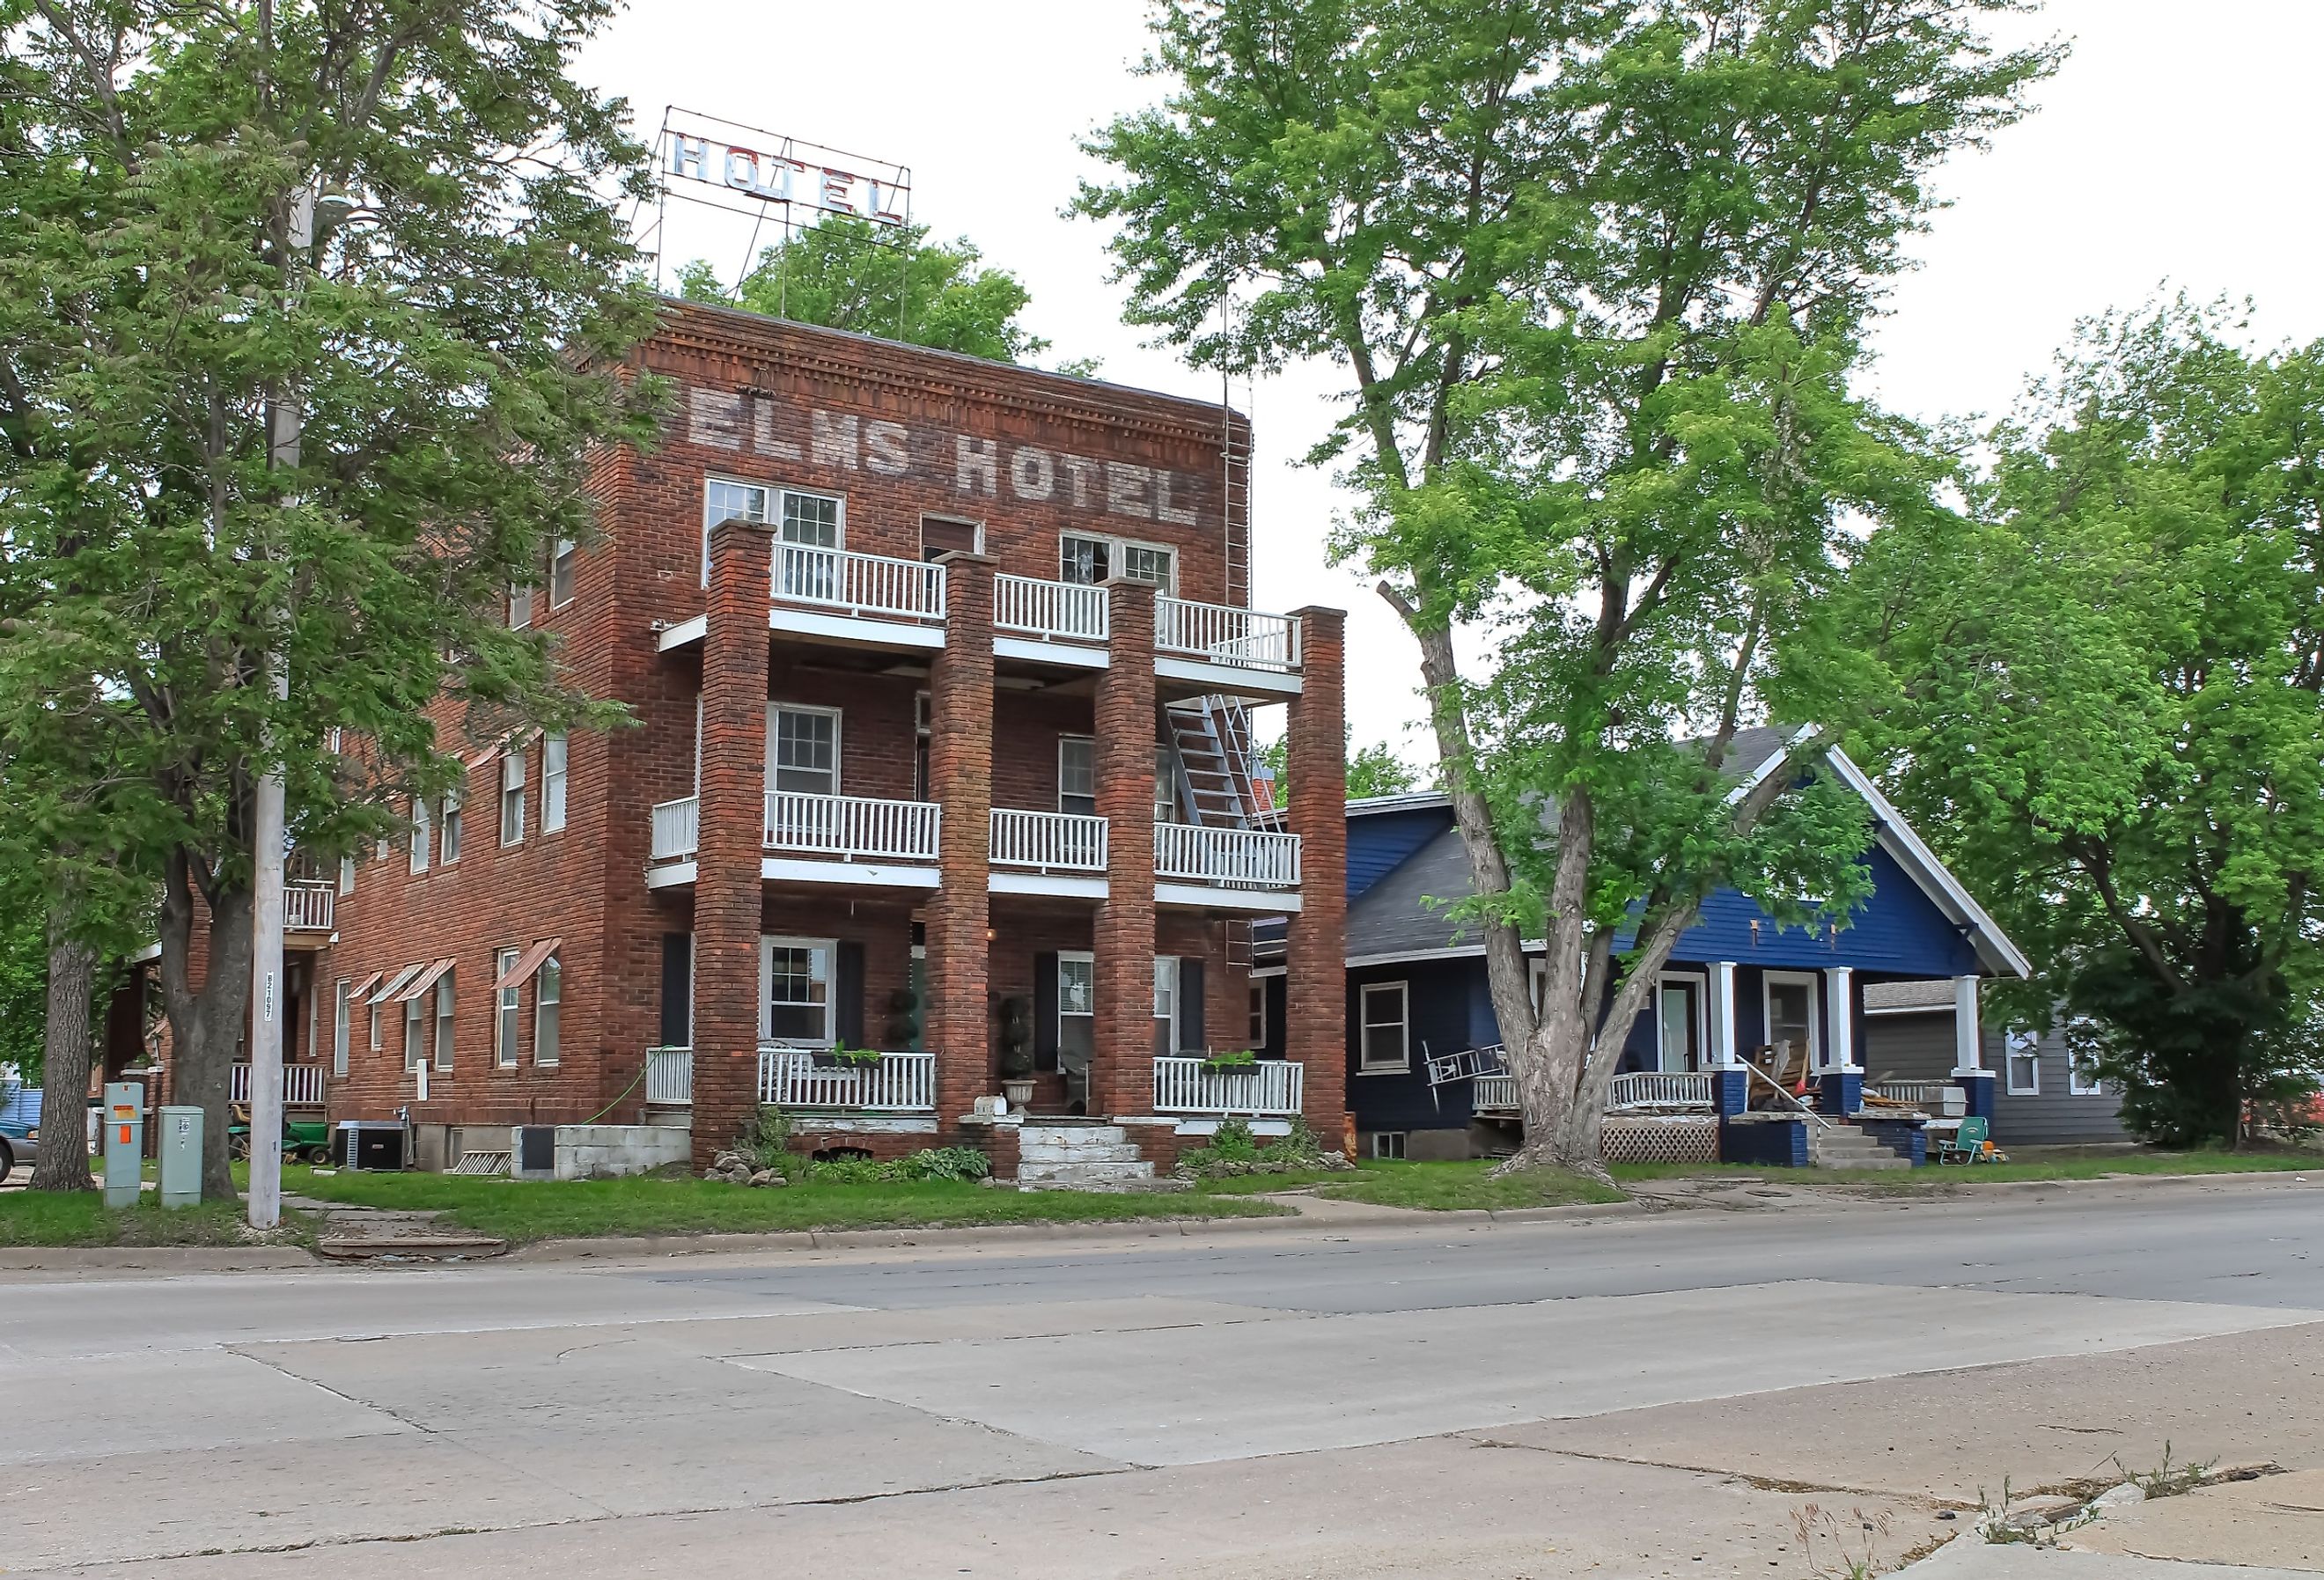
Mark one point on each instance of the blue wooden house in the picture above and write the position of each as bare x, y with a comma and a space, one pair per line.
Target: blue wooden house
1422, 1035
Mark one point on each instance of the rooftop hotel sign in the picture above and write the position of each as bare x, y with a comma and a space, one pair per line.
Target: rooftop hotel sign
751, 169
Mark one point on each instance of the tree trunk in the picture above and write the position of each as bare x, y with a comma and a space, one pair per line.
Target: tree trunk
206, 1020
62, 1163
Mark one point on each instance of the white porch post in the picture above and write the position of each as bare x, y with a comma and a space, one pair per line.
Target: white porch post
1722, 1012
1968, 1034
1840, 1007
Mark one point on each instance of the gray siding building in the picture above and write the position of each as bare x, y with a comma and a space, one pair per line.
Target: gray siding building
2039, 1098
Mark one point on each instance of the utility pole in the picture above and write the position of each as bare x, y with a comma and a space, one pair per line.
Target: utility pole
266, 1204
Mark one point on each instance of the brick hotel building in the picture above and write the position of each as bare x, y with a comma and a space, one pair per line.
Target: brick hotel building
942, 673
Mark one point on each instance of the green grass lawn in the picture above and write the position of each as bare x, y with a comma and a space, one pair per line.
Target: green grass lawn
1457, 1186
41, 1218
2078, 1163
521, 1211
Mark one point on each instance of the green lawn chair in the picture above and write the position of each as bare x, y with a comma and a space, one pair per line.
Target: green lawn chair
1966, 1144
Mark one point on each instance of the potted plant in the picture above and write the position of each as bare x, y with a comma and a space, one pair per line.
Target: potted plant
1229, 1062
1017, 1052
855, 1058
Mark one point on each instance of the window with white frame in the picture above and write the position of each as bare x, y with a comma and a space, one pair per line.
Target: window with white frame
1386, 1031
547, 1004
444, 1022
808, 522
1077, 775
508, 1011
520, 606
552, 783
449, 845
795, 990
803, 751
2082, 1075
415, 1033
560, 572
423, 834
346, 874
1085, 559
1387, 1143
341, 1024
2021, 1054
1166, 1001
1076, 1008
1150, 562
513, 798
1791, 1021
725, 500
1088, 558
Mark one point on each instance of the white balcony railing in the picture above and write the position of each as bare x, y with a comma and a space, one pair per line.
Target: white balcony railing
859, 584
1270, 1087
1048, 842
302, 1085
853, 826
1057, 611
306, 907
1937, 1099
900, 1083
1234, 858
676, 829
1661, 1089
670, 1076
1226, 635
1493, 1092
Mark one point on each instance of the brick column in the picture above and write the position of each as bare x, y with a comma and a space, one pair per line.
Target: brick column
960, 780
1315, 761
733, 818
1122, 1074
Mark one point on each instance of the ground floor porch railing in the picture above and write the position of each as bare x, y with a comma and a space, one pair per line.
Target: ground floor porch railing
800, 1078
1493, 1093
302, 1085
1662, 1089
1268, 1088
669, 1078
1938, 1099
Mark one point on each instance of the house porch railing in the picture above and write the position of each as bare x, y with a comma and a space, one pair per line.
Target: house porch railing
1269, 1088
1662, 1089
302, 1085
1494, 1093
798, 1077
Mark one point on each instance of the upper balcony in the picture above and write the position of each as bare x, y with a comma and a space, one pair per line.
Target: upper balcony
868, 841
838, 597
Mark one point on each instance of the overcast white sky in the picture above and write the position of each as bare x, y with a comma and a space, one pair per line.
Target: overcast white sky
2177, 146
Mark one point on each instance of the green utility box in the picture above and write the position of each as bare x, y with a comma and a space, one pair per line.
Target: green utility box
181, 1157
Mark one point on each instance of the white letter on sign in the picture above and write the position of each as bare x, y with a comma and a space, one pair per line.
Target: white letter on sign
1031, 474
1083, 471
834, 440
1125, 489
976, 460
741, 169
887, 449
1163, 509
717, 419
685, 150
838, 187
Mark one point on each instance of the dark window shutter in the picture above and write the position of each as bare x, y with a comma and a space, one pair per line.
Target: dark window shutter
1191, 1038
1045, 1012
677, 989
847, 994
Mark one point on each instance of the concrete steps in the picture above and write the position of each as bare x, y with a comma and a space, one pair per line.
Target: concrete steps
1080, 1156
1845, 1146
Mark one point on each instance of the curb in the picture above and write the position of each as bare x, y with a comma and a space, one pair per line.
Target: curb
171, 1259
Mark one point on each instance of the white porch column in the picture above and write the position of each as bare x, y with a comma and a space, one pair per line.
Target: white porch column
1968, 1033
1840, 1009
1722, 1012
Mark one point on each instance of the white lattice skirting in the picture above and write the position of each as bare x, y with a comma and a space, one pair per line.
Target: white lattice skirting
1690, 1140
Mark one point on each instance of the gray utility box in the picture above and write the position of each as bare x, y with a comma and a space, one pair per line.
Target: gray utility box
124, 1143
180, 1149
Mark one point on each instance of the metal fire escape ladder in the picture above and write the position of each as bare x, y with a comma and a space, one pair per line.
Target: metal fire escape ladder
1214, 754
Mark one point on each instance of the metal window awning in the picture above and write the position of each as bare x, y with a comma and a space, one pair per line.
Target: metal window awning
516, 740
422, 982
521, 971
387, 988
363, 984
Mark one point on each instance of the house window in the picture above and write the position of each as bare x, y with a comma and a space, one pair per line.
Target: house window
341, 1024
507, 1010
415, 1033
1387, 1143
1165, 785
548, 1004
449, 844
513, 798
1166, 1002
443, 1021
1077, 775
795, 990
520, 606
723, 501
1791, 1029
1679, 1022
2082, 1075
2022, 1056
803, 750
1386, 1043
560, 573
1255, 1029
423, 834
552, 783
346, 874
1076, 1008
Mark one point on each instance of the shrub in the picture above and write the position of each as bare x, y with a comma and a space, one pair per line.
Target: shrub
766, 1140
958, 1163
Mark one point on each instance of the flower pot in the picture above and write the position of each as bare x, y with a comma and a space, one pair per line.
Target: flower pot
1019, 1092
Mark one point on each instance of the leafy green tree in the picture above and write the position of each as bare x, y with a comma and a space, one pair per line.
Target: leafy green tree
1372, 771
1595, 274
851, 274
309, 319
2108, 708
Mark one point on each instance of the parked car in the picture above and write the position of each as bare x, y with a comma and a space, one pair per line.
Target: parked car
20, 1127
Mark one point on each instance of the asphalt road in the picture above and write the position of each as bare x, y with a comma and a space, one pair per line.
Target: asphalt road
1630, 1396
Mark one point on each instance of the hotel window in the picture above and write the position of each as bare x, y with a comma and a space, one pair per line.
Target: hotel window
1166, 1000
804, 751
507, 1012
1077, 775
1165, 785
444, 1021
552, 783
415, 1033
423, 834
1076, 1003
795, 990
810, 520
1146, 562
341, 1024
513, 798
1387, 1042
548, 1003
1084, 560
450, 842
723, 501
560, 573
520, 606
346, 874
